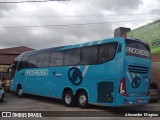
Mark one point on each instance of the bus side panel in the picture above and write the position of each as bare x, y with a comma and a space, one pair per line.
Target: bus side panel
102, 89
61, 77
98, 81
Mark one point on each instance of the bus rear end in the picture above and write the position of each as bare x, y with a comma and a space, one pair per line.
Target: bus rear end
134, 84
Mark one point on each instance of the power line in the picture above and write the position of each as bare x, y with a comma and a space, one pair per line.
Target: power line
70, 25
33, 1
92, 15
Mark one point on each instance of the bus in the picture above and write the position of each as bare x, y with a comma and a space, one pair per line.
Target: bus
112, 72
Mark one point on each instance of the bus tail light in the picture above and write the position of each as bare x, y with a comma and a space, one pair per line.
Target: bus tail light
122, 87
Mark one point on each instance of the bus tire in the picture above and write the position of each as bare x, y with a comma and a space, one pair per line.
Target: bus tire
69, 98
20, 91
82, 99
2, 98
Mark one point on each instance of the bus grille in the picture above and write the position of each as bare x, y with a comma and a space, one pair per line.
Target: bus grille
138, 69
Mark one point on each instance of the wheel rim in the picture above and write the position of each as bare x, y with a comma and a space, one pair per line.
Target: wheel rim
20, 92
82, 99
68, 98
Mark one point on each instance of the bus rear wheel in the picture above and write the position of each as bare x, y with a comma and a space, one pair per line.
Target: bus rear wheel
20, 91
82, 99
68, 98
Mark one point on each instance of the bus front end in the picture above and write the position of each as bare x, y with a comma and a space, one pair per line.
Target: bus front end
134, 84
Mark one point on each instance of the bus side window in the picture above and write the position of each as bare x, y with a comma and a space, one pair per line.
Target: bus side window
72, 57
56, 59
43, 60
89, 55
20, 66
107, 52
33, 59
93, 54
85, 55
23, 63
46, 60
40, 60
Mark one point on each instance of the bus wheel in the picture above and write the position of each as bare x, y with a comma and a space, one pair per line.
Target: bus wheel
68, 98
2, 98
83, 99
20, 91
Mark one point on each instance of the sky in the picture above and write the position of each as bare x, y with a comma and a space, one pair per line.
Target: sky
56, 23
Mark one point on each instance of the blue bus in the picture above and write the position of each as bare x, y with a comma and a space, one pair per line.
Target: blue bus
112, 72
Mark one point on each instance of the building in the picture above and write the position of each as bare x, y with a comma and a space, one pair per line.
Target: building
149, 33
7, 57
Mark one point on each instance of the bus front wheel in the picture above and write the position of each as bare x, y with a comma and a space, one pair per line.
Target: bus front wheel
82, 99
20, 91
68, 98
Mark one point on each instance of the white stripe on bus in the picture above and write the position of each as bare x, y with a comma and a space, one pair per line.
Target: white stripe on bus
90, 43
79, 67
138, 75
133, 75
99, 42
80, 45
85, 70
129, 76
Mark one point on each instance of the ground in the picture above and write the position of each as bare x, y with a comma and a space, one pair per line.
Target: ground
36, 103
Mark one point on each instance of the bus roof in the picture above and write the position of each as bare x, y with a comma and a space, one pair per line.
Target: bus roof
61, 48
92, 43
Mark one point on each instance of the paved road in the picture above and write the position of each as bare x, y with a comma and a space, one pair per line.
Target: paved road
36, 103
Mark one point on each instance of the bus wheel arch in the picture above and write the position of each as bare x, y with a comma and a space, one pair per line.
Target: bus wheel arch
20, 91
82, 98
68, 97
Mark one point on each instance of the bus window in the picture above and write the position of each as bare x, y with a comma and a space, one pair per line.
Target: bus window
46, 60
40, 60
72, 57
107, 52
89, 55
137, 48
23, 63
85, 55
33, 61
56, 59
93, 54
13, 69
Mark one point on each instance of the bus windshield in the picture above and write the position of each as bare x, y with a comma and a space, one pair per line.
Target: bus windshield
137, 48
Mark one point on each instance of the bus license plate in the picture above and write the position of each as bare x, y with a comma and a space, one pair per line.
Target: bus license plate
152, 93
139, 101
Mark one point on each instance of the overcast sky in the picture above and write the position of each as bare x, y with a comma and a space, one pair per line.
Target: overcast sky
17, 21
